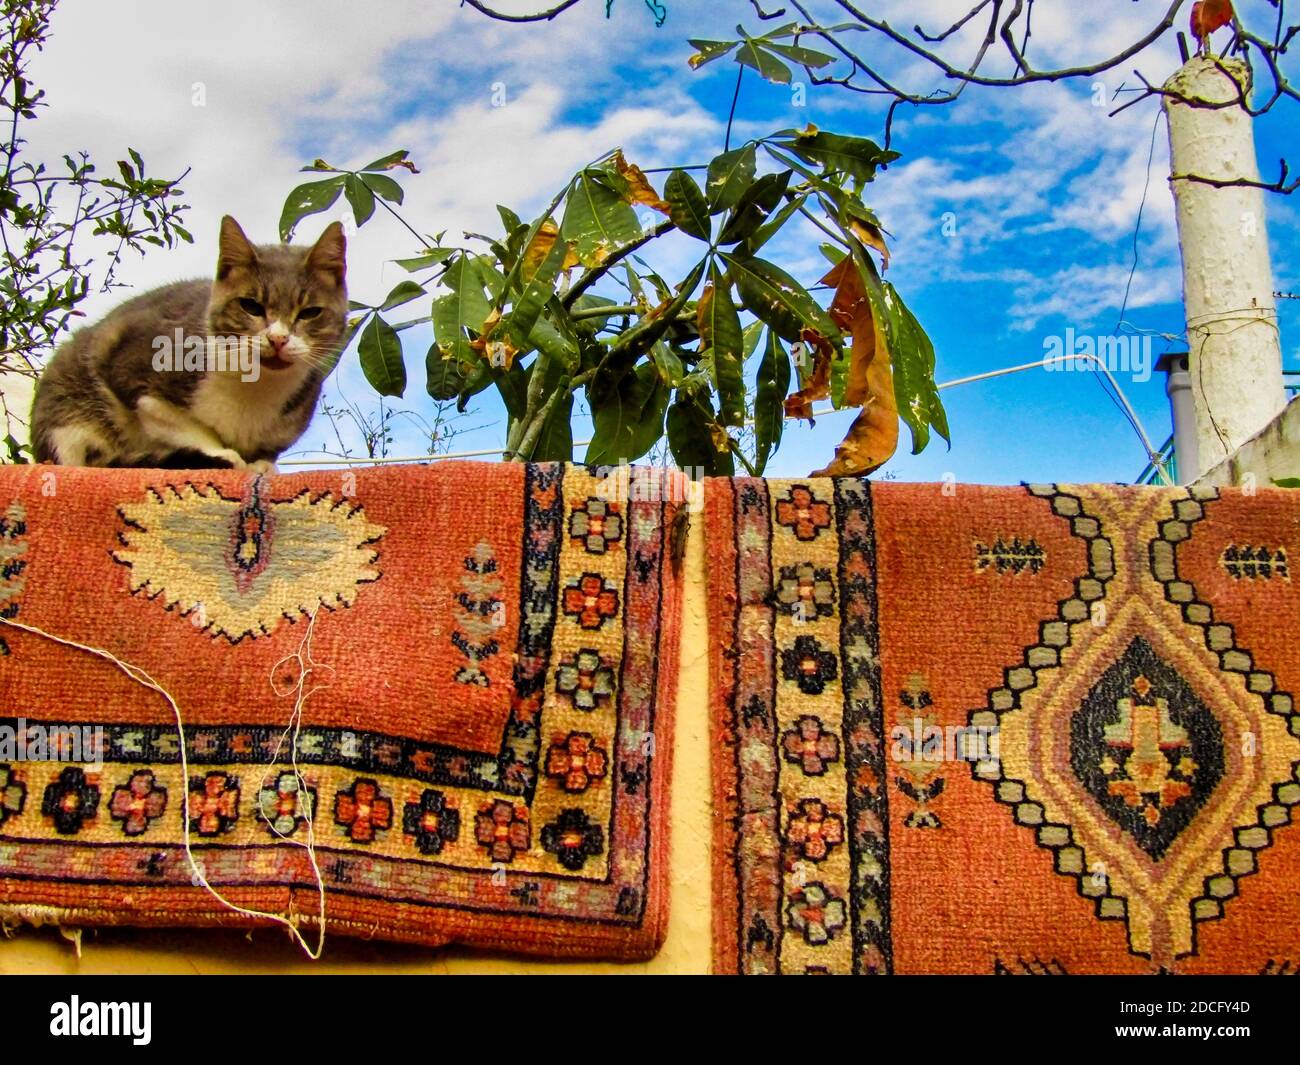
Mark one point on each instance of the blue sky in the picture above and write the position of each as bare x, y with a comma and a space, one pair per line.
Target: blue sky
1042, 187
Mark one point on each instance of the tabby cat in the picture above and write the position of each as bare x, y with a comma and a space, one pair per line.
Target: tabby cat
201, 374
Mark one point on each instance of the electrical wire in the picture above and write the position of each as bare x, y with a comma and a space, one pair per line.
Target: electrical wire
1125, 406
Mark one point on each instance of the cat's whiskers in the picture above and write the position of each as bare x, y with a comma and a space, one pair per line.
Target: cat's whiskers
321, 357
316, 361
200, 400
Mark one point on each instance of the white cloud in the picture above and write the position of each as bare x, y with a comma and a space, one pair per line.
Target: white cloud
1087, 296
287, 81
1024, 171
1062, 177
282, 83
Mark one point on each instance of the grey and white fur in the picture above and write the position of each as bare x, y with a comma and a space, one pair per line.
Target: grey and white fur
108, 397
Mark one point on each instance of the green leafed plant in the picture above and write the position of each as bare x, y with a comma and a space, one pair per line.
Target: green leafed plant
65, 226
767, 54
563, 308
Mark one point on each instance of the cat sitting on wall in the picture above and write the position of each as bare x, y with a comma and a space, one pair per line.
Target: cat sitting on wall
201, 374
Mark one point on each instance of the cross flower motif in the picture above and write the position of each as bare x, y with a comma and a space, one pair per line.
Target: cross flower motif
810, 746
586, 678
803, 513
432, 821
70, 800
13, 793
591, 599
214, 803
576, 762
503, 829
287, 804
363, 811
809, 665
805, 591
573, 838
139, 801
814, 831
817, 913
596, 525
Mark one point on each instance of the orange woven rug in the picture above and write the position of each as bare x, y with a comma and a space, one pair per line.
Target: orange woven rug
485, 737
1004, 730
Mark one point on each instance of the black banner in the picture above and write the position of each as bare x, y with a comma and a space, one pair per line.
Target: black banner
152, 1015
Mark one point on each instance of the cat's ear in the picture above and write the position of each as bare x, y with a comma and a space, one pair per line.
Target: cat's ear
328, 254
234, 249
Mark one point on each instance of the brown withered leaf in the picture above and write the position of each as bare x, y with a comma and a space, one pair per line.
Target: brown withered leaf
797, 406
856, 454
640, 189
871, 236
721, 441
485, 334
540, 247
1208, 16
851, 311
817, 384
703, 308
873, 437
498, 351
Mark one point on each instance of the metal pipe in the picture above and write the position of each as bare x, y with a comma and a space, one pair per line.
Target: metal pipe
1152, 454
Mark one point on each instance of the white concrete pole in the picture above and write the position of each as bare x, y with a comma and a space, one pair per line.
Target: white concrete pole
1232, 334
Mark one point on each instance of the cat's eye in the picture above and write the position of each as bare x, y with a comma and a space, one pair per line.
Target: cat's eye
252, 307
309, 312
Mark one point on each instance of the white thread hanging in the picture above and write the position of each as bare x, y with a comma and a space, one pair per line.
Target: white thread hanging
306, 666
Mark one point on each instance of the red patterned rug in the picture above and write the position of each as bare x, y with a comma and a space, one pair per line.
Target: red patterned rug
485, 738
1004, 730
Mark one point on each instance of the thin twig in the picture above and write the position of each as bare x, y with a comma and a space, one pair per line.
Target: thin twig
735, 99
540, 16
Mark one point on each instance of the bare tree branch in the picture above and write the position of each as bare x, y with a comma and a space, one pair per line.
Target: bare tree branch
540, 16
1280, 185
1008, 30
971, 74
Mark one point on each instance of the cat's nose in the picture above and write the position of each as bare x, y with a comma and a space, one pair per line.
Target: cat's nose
277, 338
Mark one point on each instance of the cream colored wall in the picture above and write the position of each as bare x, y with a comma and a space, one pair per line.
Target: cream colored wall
45, 950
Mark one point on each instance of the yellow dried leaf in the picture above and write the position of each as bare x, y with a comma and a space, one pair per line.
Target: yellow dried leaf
817, 384
501, 354
873, 437
498, 351
540, 247
641, 191
488, 326
703, 309
599, 253
851, 311
872, 237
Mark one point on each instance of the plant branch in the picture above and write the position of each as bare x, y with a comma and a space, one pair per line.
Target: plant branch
501, 16
1281, 185
597, 272
529, 442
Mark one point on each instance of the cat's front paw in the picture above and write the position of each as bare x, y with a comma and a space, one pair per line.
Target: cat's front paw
261, 466
231, 456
